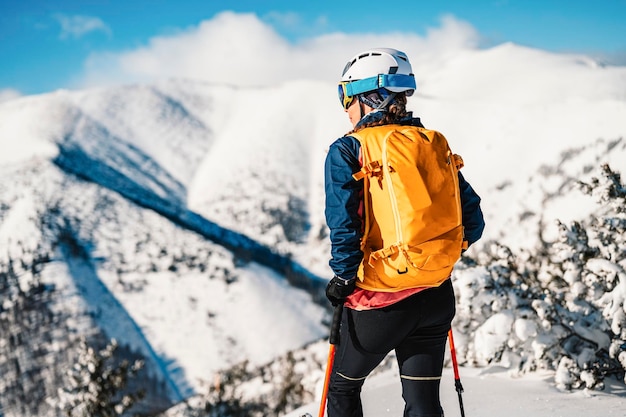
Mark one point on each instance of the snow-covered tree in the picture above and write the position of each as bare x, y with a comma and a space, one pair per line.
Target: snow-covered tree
28, 325
97, 382
560, 306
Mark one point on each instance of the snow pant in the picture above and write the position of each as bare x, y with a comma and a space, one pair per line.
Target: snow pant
417, 329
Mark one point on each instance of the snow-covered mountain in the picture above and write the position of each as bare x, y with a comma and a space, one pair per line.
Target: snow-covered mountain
185, 219
183, 290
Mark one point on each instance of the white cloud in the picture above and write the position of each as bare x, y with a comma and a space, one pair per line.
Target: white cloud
77, 26
241, 49
9, 94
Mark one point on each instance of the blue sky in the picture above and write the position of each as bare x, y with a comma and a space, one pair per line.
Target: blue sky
46, 44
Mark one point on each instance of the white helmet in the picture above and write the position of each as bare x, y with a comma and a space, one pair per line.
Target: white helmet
389, 67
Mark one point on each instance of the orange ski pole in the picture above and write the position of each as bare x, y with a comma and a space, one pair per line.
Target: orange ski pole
457, 378
334, 340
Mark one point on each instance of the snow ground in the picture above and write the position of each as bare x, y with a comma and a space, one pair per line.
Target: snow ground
491, 392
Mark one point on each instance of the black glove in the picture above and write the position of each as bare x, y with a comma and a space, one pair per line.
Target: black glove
338, 289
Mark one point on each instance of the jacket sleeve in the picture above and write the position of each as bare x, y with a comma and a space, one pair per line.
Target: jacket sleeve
473, 220
343, 200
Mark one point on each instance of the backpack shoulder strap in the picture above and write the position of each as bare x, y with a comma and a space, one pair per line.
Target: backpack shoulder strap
371, 168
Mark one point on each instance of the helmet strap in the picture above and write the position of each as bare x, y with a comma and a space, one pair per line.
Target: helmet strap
386, 101
373, 100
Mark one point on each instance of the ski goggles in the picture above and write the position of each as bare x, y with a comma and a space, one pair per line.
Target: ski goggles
345, 99
347, 90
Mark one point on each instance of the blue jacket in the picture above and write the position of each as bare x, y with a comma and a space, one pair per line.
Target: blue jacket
343, 200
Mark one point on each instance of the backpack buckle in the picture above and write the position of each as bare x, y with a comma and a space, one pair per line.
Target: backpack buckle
373, 169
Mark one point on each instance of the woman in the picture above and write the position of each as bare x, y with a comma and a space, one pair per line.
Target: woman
412, 321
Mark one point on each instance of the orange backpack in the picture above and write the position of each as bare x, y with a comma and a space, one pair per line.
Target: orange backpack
413, 232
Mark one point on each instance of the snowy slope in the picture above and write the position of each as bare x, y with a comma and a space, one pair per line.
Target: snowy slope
186, 303
510, 110
491, 393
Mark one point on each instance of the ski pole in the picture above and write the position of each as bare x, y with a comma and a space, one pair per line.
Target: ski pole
455, 365
334, 340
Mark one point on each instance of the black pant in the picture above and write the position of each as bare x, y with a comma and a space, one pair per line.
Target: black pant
417, 329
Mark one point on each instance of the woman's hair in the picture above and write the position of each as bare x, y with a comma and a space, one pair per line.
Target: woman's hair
395, 112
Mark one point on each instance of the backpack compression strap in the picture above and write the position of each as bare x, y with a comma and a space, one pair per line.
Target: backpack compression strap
373, 169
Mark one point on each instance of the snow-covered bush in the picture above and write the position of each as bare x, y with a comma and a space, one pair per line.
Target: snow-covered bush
270, 390
559, 306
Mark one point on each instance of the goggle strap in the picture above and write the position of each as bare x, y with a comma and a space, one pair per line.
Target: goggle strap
382, 80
